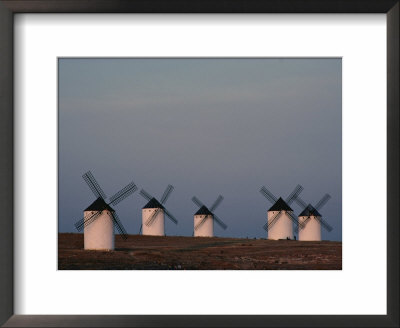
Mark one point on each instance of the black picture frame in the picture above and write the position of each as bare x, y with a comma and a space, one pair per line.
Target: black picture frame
10, 7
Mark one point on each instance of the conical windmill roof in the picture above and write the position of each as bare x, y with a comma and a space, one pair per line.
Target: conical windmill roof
99, 205
280, 205
153, 203
310, 211
203, 211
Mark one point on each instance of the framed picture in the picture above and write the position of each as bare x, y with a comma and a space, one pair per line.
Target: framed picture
53, 69
200, 93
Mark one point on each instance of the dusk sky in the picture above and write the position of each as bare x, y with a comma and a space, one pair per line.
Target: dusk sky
206, 126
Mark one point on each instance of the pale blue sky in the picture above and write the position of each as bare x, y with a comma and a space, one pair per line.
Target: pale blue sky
206, 126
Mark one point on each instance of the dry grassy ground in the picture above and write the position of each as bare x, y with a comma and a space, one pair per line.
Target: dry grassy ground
188, 253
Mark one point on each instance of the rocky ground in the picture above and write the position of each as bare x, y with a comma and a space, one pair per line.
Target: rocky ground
188, 253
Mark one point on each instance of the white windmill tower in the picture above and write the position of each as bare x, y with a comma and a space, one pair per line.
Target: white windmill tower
204, 218
280, 216
99, 218
311, 220
99, 234
153, 213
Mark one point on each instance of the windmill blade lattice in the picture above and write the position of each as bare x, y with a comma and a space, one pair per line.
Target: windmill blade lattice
270, 224
305, 221
213, 207
294, 220
317, 207
163, 200
273, 199
145, 194
154, 215
170, 216
80, 224
198, 225
301, 202
324, 224
322, 202
294, 194
152, 218
93, 185
166, 194
123, 193
216, 203
114, 200
268, 195
197, 201
118, 225
219, 221
148, 197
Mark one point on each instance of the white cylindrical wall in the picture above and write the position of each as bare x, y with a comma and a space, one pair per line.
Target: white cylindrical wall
157, 227
206, 229
282, 228
312, 230
99, 235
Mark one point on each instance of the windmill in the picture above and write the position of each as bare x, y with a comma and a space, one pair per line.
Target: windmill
100, 218
280, 215
311, 220
204, 218
153, 213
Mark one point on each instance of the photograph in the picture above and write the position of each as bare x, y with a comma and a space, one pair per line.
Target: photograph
230, 143
193, 163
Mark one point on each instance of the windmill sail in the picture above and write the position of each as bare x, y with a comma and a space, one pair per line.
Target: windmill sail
208, 213
100, 205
